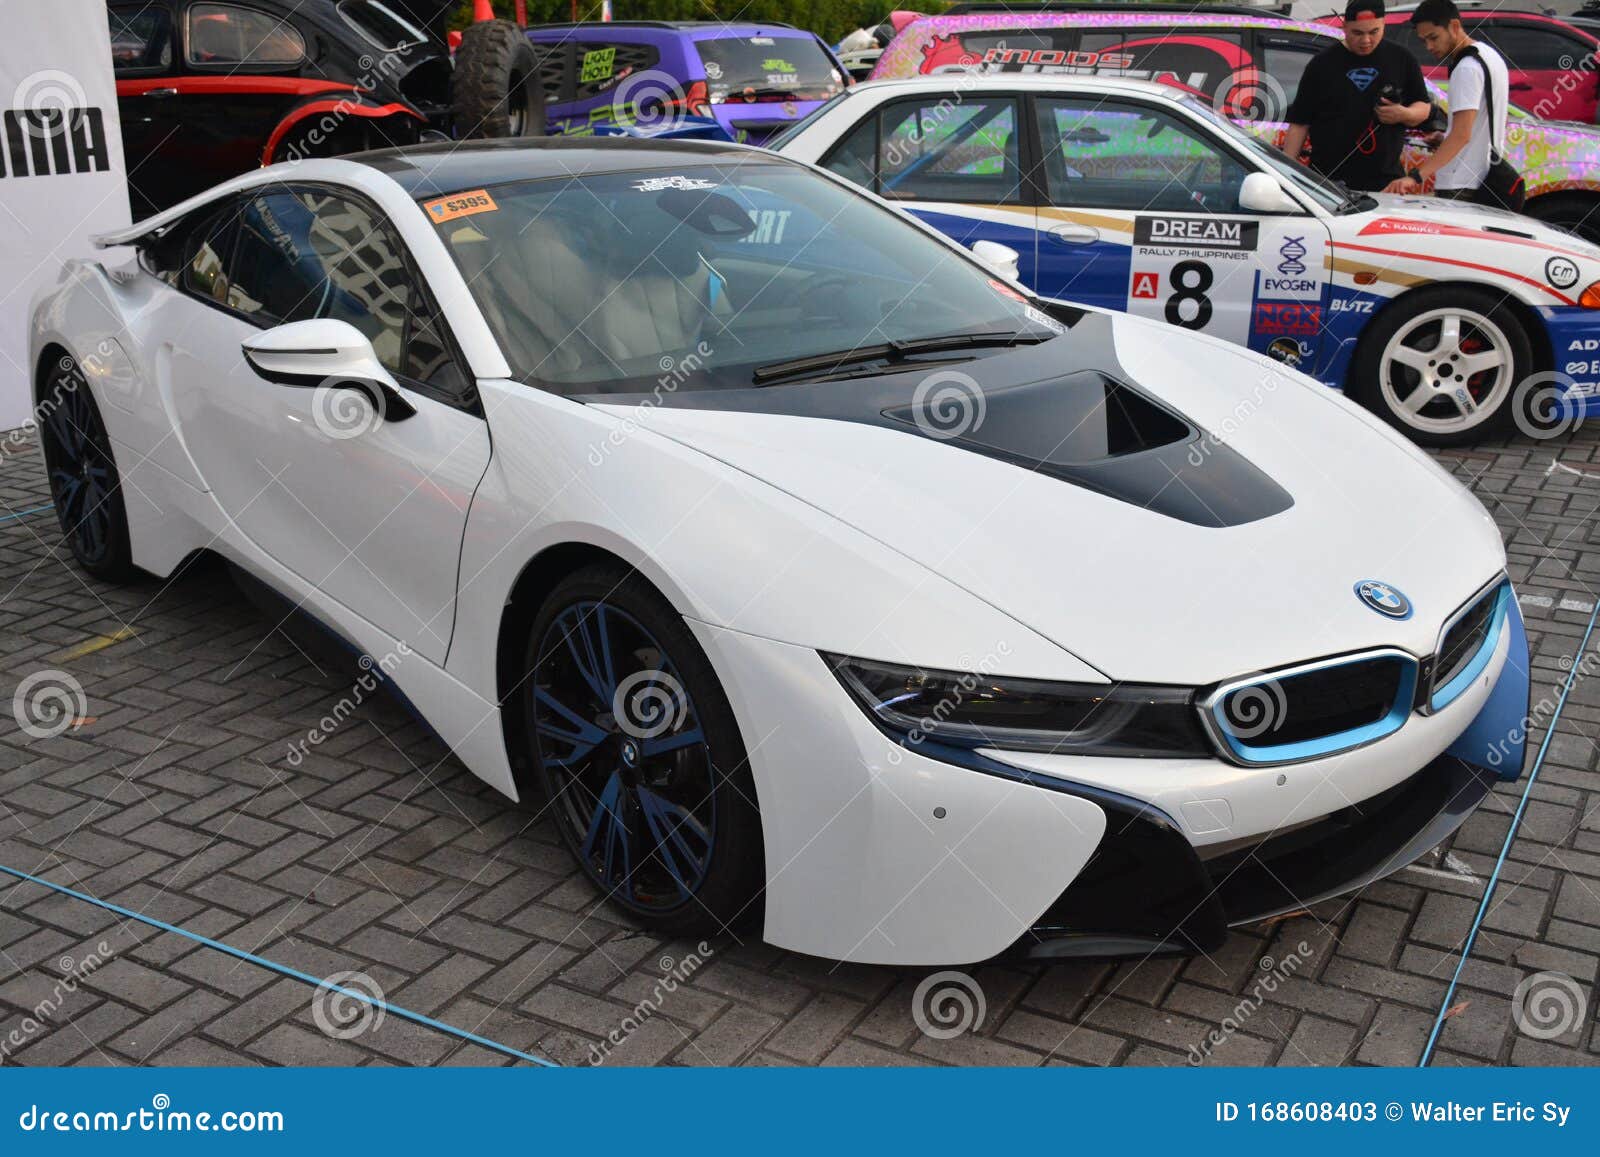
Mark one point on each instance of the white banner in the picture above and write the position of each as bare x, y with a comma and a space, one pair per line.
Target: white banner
61, 168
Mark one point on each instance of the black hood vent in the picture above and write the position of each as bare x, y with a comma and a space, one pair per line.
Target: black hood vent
1093, 431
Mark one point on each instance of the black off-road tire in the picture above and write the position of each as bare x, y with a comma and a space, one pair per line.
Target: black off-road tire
496, 90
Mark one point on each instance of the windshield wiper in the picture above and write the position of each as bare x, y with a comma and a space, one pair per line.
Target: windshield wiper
891, 350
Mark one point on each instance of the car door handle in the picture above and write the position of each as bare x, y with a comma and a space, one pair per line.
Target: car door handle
161, 93
1071, 233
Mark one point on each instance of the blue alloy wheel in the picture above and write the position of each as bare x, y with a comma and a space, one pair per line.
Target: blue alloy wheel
624, 756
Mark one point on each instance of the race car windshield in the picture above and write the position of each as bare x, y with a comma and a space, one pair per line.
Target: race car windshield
753, 69
1330, 195
697, 277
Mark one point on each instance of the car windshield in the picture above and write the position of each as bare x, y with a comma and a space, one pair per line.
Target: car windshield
709, 277
1331, 195
744, 69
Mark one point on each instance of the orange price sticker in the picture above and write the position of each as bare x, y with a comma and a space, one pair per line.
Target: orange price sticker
442, 209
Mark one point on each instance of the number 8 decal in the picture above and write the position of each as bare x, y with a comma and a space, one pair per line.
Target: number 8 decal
1182, 273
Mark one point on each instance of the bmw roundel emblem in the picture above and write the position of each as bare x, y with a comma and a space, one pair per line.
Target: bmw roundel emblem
1383, 598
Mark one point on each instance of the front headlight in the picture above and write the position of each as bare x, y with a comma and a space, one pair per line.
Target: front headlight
975, 710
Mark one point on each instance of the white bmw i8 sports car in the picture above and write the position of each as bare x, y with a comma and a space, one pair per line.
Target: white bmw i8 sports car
798, 565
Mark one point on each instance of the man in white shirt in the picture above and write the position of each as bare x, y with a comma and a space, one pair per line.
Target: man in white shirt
1477, 118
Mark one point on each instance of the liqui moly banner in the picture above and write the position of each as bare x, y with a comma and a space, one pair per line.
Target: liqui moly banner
61, 167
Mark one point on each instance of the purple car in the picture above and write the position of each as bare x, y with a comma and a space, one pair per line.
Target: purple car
754, 80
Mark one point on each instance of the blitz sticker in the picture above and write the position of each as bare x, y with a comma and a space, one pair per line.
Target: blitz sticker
1561, 273
442, 209
1287, 317
1196, 232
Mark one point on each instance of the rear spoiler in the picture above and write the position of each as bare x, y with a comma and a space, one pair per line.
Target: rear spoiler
133, 234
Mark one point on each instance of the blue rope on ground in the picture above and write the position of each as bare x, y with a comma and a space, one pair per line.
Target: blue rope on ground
1505, 848
25, 513
285, 970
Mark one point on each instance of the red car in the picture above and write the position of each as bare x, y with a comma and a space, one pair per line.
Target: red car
1555, 68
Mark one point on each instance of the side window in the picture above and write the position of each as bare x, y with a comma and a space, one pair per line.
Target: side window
553, 60
1531, 49
141, 39
935, 150
229, 34
853, 157
310, 254
1115, 156
204, 272
602, 65
1284, 61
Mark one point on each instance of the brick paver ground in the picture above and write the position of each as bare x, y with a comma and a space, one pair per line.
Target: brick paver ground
378, 854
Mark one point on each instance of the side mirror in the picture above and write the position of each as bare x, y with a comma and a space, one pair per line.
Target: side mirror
326, 353
1000, 258
1261, 193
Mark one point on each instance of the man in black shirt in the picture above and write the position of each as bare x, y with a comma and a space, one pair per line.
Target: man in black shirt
1355, 101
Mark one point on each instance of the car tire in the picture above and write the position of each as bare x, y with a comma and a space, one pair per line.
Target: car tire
84, 484
638, 755
1409, 368
496, 90
1577, 213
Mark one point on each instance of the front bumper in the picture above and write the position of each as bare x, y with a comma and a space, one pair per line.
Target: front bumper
884, 853
1147, 891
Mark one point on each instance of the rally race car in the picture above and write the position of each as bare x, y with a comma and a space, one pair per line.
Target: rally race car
1245, 64
1449, 321
803, 567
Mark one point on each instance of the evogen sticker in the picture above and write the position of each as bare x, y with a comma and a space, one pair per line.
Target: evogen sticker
442, 209
1196, 232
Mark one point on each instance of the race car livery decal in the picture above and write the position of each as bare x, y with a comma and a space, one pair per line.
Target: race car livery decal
1202, 232
1577, 351
1279, 317
1561, 272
